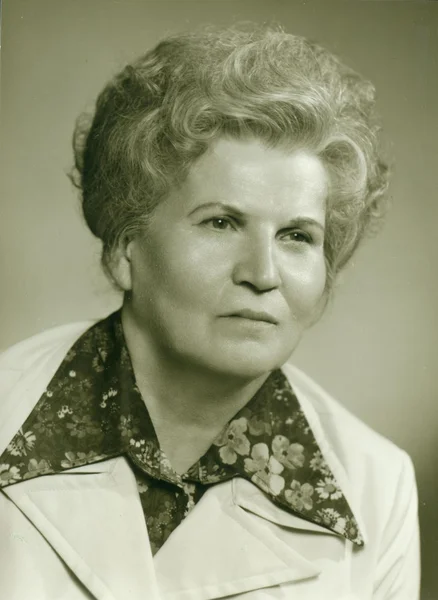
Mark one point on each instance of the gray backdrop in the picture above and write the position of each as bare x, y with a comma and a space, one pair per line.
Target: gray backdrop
376, 347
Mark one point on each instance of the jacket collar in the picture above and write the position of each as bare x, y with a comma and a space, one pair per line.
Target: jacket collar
220, 549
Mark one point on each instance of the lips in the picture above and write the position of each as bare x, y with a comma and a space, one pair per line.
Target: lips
253, 315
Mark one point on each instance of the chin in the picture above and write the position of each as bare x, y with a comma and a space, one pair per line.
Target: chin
248, 364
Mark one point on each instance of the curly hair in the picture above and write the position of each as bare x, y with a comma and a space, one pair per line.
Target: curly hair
155, 118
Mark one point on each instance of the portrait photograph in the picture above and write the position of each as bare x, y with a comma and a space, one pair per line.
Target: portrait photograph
219, 300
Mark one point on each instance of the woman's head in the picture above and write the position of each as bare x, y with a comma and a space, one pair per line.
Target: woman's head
156, 118
231, 269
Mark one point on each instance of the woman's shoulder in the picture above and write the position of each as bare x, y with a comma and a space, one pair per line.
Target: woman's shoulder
25, 370
359, 447
376, 476
26, 353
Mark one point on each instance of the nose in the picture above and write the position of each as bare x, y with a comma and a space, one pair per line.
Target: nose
257, 265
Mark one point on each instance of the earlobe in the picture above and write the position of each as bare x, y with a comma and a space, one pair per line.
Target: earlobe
121, 267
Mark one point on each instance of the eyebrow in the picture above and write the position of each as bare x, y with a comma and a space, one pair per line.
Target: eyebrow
226, 207
296, 221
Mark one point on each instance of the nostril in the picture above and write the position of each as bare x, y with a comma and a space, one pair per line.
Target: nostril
257, 289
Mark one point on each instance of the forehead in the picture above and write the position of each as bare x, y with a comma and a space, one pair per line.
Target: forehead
254, 176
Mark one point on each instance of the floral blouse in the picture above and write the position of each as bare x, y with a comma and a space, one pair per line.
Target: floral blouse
92, 410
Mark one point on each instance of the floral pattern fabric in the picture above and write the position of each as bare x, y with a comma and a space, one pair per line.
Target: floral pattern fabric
92, 410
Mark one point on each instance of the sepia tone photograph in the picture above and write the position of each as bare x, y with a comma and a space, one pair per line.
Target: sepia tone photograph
219, 292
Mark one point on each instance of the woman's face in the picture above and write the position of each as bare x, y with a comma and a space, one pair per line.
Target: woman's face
231, 270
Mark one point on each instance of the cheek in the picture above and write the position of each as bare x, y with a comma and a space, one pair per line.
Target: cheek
306, 292
184, 275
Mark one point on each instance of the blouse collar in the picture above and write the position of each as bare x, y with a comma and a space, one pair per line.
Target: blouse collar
92, 404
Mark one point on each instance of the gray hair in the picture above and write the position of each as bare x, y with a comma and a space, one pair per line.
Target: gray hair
155, 118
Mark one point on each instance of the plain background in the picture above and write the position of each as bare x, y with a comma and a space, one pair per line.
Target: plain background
376, 347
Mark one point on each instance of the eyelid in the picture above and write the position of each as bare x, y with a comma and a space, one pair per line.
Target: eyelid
291, 230
227, 218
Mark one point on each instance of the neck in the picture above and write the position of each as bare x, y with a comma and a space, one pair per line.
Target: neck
180, 394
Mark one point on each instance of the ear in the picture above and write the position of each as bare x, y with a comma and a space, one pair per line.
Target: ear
121, 267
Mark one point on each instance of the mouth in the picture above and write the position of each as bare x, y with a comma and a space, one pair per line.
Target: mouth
254, 316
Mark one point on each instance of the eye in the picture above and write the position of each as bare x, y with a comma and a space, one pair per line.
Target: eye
296, 235
219, 223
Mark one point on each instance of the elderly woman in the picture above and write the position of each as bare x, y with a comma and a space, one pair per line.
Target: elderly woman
169, 451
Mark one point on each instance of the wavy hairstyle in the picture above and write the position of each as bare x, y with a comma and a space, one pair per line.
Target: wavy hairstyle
155, 118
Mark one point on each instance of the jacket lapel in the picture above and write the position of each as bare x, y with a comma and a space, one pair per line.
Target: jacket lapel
93, 519
220, 550
250, 498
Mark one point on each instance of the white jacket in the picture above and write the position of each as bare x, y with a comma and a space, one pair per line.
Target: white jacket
81, 534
